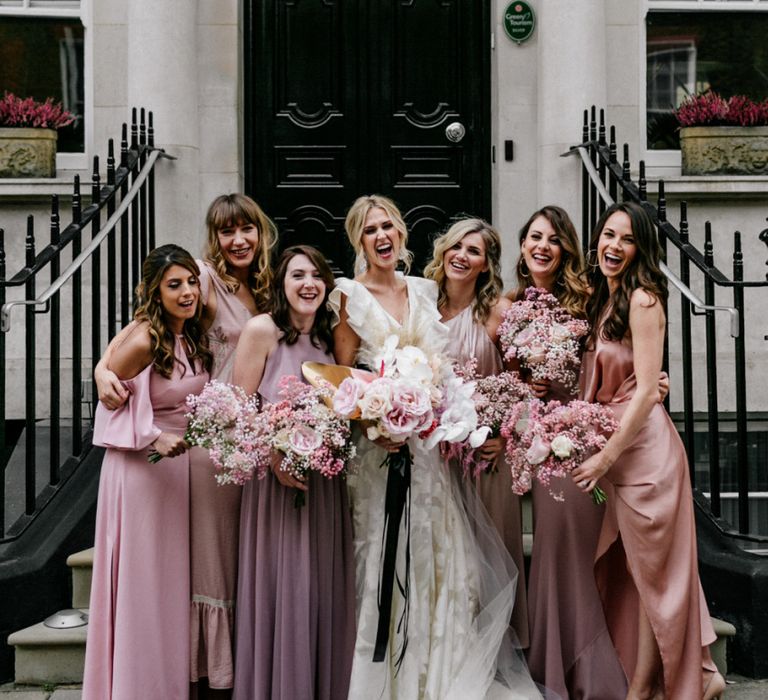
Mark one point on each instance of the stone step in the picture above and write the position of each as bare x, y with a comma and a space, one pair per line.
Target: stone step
49, 656
81, 564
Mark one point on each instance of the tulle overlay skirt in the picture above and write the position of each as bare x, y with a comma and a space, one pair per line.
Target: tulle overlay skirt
461, 589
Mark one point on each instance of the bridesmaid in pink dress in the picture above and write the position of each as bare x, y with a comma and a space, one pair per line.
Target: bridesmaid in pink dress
466, 266
646, 561
235, 278
296, 588
571, 650
139, 616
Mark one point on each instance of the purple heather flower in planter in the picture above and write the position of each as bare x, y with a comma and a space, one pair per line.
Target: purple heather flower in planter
710, 109
16, 112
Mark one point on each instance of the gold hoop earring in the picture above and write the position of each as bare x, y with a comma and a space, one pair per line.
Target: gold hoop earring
522, 268
592, 258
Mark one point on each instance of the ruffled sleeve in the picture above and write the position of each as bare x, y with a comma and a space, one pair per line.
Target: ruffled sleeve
425, 324
344, 286
130, 427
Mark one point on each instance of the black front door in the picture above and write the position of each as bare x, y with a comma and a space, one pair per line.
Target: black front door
351, 97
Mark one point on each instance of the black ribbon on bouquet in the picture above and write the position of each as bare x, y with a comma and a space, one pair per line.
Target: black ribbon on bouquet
396, 503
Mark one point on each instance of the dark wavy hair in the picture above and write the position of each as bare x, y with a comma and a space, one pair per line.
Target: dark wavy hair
150, 309
321, 334
571, 288
643, 272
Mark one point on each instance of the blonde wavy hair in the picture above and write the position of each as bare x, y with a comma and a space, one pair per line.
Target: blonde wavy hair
150, 309
355, 223
229, 210
488, 286
571, 286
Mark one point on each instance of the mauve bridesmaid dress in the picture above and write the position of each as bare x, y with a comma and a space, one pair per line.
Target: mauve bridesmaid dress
571, 651
647, 548
295, 621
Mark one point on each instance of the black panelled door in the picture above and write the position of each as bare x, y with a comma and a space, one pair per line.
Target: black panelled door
351, 97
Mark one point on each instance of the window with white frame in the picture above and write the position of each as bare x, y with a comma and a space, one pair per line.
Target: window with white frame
42, 54
697, 45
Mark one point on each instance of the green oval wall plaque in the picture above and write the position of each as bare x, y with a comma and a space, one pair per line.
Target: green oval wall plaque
519, 21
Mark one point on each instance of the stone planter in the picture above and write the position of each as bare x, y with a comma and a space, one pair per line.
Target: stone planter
27, 152
724, 150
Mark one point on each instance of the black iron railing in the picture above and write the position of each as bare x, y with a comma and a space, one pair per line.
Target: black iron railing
605, 180
117, 223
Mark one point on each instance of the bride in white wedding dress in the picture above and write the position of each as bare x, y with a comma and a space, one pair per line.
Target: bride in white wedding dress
454, 581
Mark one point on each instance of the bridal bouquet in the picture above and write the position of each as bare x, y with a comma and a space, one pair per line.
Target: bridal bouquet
549, 440
495, 398
413, 395
543, 336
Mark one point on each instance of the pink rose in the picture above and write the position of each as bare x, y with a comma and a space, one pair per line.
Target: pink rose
346, 397
411, 398
524, 337
304, 440
400, 424
538, 451
538, 353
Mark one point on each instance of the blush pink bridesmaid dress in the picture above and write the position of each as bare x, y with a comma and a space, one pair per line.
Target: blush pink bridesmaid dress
647, 553
467, 339
138, 633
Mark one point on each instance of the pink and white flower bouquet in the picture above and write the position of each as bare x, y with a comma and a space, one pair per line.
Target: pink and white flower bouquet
543, 337
216, 416
241, 436
495, 398
413, 395
549, 440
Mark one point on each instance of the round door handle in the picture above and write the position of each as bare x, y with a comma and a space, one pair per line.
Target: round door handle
455, 131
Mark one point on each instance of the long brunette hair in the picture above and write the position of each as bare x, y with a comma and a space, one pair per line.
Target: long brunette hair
643, 272
150, 309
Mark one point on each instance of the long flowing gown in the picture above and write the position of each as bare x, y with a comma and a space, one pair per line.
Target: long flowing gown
461, 579
646, 553
295, 599
571, 651
469, 339
215, 516
138, 634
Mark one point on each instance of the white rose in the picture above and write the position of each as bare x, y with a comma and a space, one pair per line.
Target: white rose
377, 399
562, 446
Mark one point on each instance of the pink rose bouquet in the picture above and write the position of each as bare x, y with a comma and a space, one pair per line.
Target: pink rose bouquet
543, 337
413, 395
549, 440
495, 398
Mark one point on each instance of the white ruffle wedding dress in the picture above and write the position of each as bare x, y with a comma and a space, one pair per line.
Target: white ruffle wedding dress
461, 581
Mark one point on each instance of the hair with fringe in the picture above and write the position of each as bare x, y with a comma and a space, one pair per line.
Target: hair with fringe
488, 286
355, 223
571, 288
150, 309
321, 332
231, 210
643, 272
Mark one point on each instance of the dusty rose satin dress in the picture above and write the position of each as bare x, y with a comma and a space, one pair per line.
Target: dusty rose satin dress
571, 651
647, 548
467, 339
296, 588
215, 516
138, 634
